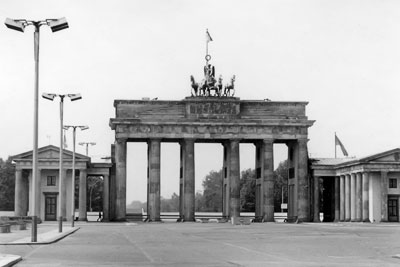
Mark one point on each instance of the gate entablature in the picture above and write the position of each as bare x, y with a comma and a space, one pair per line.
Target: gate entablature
210, 118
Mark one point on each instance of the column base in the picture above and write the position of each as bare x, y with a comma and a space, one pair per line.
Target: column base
366, 221
347, 220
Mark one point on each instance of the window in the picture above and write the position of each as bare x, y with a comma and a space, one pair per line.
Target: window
51, 180
393, 183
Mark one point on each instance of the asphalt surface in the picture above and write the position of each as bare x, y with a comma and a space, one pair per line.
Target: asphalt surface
218, 244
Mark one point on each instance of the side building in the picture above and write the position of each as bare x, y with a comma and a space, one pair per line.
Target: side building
357, 189
47, 195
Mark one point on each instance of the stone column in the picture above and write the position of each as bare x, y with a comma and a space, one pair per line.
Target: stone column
19, 194
120, 179
82, 195
347, 213
106, 198
268, 179
226, 200
353, 197
337, 199
342, 198
365, 197
154, 180
259, 205
38, 193
181, 181
358, 197
384, 196
189, 181
316, 199
235, 178
64, 195
303, 205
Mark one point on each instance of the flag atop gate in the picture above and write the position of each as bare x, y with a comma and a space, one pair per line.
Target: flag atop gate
339, 143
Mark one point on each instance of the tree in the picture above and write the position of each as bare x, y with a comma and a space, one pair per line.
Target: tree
212, 195
171, 204
7, 185
248, 190
95, 193
281, 175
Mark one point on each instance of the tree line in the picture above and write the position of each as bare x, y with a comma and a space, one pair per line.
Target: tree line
210, 200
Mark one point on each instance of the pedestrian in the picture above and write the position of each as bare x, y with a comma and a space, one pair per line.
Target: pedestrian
99, 219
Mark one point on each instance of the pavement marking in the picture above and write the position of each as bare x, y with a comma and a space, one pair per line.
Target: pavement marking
151, 259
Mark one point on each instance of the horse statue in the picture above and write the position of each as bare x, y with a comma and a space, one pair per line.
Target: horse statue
195, 86
229, 87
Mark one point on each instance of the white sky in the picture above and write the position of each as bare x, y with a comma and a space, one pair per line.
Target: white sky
341, 56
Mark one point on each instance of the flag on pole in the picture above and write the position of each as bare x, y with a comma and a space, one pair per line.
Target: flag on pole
208, 37
339, 143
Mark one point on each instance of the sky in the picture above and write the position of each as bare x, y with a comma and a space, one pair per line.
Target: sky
343, 57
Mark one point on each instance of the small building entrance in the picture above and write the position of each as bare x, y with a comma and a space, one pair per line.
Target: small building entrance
393, 209
50, 208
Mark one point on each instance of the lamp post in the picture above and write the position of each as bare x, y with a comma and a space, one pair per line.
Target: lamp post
19, 25
51, 97
66, 127
87, 146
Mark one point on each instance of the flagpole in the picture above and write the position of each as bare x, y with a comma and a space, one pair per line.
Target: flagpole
335, 145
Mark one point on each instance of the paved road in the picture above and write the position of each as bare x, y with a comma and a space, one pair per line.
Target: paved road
212, 244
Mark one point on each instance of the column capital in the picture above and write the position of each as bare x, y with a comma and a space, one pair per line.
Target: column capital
121, 140
268, 141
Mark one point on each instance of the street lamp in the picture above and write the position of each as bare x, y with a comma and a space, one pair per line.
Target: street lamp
19, 25
66, 127
87, 145
51, 97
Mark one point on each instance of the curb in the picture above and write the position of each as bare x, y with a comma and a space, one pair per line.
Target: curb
7, 260
51, 240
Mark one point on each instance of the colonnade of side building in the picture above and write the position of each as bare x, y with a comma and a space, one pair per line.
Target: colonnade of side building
352, 197
298, 182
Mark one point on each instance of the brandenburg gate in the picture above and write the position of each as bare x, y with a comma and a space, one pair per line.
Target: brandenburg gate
213, 115
228, 121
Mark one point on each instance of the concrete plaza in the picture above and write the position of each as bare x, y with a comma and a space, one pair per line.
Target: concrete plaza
217, 244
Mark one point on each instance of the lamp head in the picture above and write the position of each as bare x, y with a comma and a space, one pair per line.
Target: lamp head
15, 24
49, 96
84, 127
58, 24
75, 96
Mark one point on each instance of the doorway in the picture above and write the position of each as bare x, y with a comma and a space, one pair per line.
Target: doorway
393, 209
50, 208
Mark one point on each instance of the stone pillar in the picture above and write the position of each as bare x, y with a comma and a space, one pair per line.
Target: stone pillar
384, 196
189, 182
316, 200
181, 181
235, 178
365, 197
358, 197
303, 206
347, 213
226, 199
353, 197
337, 199
19, 201
154, 180
64, 195
106, 198
259, 205
120, 179
82, 195
268, 179
342, 198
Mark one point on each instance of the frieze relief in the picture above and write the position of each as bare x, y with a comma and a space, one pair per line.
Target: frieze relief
213, 108
208, 129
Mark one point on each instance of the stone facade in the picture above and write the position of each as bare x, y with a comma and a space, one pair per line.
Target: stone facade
228, 121
365, 189
48, 183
